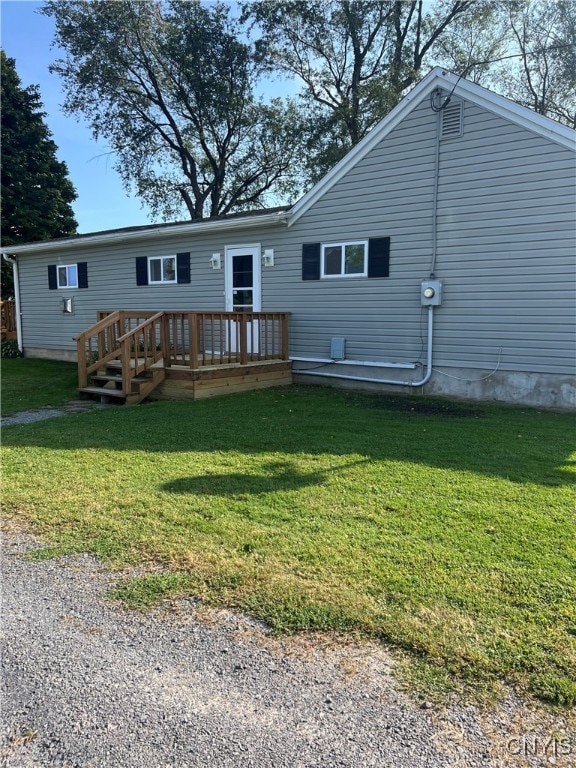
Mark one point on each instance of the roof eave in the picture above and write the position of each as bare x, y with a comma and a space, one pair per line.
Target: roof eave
178, 230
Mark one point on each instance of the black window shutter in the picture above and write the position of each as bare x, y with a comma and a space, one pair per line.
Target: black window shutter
311, 261
183, 267
141, 270
82, 274
52, 279
379, 257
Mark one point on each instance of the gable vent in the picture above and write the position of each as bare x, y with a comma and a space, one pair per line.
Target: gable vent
451, 120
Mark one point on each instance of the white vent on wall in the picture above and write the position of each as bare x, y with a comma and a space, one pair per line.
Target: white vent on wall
451, 126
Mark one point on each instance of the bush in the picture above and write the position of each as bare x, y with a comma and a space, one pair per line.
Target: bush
9, 348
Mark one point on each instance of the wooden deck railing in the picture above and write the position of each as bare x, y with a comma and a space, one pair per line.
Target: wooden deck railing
141, 348
139, 339
199, 339
98, 345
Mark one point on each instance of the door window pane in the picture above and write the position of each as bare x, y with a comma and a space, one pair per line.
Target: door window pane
242, 271
242, 298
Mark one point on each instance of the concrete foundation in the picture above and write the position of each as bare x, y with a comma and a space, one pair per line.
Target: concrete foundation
540, 390
40, 353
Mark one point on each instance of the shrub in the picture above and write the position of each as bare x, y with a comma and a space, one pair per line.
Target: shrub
9, 348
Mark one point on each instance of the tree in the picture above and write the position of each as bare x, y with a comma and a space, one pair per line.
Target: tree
355, 58
36, 191
171, 85
544, 77
473, 42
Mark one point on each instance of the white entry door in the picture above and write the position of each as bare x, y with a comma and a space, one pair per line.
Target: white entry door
243, 288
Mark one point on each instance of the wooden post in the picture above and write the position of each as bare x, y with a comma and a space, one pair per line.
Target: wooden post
243, 339
284, 336
126, 369
82, 375
193, 340
165, 337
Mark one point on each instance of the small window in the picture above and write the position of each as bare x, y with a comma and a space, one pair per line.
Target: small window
67, 276
162, 269
344, 259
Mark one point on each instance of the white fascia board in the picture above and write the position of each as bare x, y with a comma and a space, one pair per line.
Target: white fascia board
178, 230
436, 78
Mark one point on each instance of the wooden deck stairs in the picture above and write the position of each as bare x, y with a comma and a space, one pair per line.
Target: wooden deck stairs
120, 358
107, 385
127, 355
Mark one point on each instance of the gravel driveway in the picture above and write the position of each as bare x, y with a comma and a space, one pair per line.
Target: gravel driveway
88, 684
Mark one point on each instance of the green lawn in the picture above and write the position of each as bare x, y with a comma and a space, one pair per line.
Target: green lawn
29, 384
444, 530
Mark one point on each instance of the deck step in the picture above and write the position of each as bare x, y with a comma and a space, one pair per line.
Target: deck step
103, 392
113, 377
117, 377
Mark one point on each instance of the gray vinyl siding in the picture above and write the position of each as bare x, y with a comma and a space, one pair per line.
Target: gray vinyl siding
506, 244
506, 238
112, 284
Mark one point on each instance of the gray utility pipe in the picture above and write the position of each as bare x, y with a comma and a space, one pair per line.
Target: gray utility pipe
420, 383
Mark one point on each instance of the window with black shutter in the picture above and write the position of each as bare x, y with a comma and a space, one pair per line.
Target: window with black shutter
163, 270
354, 258
62, 276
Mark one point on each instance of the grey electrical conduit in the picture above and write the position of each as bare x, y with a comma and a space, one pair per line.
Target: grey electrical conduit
420, 383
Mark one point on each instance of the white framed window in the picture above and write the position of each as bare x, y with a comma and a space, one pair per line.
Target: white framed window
162, 269
67, 276
345, 259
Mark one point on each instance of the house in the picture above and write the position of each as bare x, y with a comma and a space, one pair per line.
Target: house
437, 256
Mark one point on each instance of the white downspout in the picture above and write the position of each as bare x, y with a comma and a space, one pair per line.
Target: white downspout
304, 372
14, 261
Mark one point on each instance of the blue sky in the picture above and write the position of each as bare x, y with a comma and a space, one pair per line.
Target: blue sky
102, 202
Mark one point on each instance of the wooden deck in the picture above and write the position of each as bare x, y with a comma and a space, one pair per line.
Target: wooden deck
128, 356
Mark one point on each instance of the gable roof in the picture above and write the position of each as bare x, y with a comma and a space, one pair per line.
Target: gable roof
437, 78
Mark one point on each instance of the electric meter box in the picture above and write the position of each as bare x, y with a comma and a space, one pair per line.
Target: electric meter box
431, 293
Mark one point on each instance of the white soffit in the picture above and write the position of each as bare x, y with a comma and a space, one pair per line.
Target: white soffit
437, 78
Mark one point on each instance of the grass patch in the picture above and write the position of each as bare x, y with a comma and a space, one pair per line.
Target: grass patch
27, 384
444, 530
